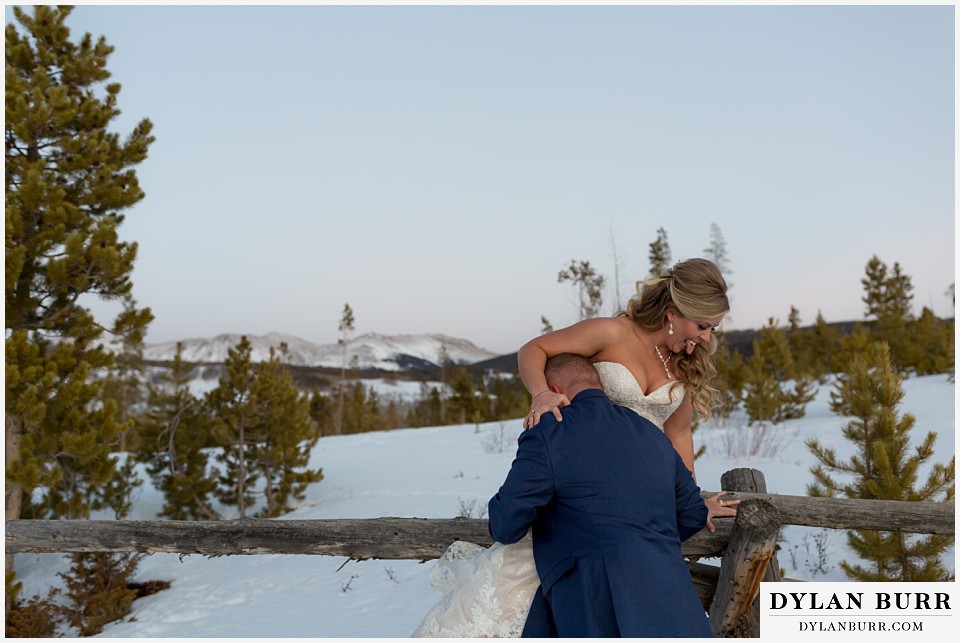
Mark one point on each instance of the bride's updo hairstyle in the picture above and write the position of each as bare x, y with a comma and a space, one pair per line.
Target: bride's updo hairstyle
695, 289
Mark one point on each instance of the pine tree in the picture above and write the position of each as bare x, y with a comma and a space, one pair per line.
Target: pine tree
589, 285
361, 409
125, 385
68, 182
464, 403
769, 374
235, 422
731, 374
509, 397
345, 327
96, 589
822, 348
717, 253
322, 412
282, 437
174, 440
931, 349
888, 296
660, 254
882, 468
427, 410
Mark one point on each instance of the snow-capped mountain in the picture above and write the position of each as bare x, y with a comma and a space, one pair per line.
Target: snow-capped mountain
386, 352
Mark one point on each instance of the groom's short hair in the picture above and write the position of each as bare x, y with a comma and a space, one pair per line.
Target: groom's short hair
568, 371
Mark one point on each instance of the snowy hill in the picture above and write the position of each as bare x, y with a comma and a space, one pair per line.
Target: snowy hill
386, 352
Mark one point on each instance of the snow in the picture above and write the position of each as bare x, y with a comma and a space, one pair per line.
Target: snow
437, 473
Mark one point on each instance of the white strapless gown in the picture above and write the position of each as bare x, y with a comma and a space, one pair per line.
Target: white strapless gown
487, 591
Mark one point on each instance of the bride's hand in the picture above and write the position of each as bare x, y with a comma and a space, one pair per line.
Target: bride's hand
546, 402
717, 508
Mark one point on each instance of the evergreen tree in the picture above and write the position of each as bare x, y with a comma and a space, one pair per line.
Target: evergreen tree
235, 417
660, 260
125, 385
174, 440
731, 374
427, 410
68, 182
464, 403
888, 296
822, 348
509, 397
96, 589
589, 285
322, 412
361, 409
282, 437
717, 253
931, 349
345, 327
882, 468
773, 389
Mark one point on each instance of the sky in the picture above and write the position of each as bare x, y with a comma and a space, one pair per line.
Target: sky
443, 472
437, 166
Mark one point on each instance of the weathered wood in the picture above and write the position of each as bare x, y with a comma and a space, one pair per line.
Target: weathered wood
386, 538
751, 546
842, 513
705, 580
752, 481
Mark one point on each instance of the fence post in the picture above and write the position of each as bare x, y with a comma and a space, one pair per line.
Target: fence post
742, 568
751, 481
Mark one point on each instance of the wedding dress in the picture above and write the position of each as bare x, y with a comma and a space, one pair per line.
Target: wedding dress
488, 591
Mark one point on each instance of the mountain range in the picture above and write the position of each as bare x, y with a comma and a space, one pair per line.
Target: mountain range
372, 351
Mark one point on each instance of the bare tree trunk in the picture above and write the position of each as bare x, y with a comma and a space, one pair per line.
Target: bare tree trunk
241, 474
13, 492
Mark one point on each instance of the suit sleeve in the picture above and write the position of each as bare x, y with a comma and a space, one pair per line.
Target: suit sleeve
528, 488
691, 509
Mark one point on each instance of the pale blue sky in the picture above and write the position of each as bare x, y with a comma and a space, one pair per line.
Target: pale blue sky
436, 166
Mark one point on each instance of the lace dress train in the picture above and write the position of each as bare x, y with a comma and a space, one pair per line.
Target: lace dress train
487, 591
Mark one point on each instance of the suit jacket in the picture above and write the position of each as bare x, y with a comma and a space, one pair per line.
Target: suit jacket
609, 500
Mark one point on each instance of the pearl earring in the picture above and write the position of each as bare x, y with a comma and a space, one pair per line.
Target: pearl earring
670, 331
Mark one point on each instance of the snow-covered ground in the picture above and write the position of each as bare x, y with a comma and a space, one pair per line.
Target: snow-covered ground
443, 472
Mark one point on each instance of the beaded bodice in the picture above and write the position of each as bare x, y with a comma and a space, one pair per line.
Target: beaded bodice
622, 388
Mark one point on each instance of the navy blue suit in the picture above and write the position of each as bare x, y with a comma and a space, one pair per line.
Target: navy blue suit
610, 501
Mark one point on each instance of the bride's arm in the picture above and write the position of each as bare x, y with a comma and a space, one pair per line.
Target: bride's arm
678, 428
586, 338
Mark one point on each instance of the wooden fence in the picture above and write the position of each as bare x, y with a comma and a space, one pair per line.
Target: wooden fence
745, 544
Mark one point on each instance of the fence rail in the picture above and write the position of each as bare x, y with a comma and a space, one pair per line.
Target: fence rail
422, 538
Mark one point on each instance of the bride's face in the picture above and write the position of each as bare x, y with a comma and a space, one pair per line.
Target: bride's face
687, 333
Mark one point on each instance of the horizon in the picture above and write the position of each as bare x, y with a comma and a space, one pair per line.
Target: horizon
436, 166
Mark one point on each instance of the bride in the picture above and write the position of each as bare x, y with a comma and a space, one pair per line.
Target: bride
654, 358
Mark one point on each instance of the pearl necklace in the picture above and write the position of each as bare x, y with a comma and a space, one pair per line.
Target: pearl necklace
665, 362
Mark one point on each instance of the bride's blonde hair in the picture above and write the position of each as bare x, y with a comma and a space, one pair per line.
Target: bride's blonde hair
695, 289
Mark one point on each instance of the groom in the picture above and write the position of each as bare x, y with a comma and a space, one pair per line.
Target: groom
609, 500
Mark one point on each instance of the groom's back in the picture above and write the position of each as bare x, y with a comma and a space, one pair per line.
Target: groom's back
622, 497
612, 470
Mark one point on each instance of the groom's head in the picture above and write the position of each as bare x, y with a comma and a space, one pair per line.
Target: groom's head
569, 374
